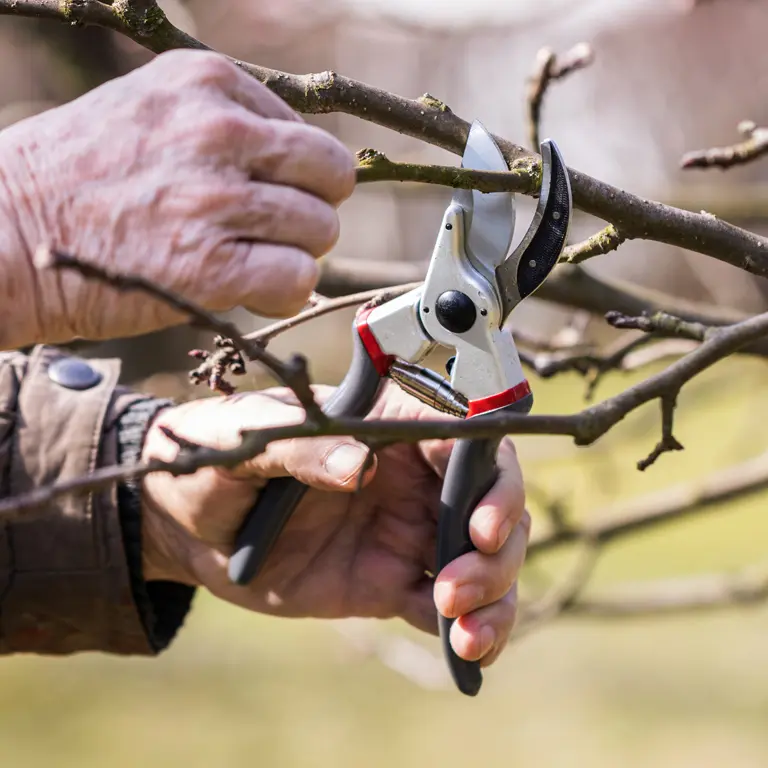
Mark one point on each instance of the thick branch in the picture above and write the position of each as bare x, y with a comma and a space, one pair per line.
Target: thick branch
585, 427
428, 119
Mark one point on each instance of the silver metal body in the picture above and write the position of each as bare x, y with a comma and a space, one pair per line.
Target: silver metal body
470, 258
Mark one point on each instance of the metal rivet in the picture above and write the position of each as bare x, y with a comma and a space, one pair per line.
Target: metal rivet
556, 215
532, 263
483, 312
72, 373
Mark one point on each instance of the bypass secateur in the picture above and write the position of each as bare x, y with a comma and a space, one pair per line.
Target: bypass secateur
471, 286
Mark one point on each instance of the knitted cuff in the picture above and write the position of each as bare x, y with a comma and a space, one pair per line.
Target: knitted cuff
163, 605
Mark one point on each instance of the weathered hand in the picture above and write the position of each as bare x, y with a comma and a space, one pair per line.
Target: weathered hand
186, 171
342, 554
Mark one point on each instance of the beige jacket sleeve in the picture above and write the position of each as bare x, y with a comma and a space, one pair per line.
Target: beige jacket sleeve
70, 573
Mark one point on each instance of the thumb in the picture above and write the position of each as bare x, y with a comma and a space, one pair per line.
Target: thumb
325, 463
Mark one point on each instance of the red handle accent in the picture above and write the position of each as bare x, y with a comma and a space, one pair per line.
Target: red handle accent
499, 400
381, 362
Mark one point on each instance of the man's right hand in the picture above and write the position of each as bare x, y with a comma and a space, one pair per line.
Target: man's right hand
188, 172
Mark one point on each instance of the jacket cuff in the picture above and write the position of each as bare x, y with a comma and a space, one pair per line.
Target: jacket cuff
65, 583
162, 605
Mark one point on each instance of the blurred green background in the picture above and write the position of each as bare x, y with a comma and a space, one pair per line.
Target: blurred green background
236, 689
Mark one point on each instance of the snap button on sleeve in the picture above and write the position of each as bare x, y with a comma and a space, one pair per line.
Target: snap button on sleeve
73, 373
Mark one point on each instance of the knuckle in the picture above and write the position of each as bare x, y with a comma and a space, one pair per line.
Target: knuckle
212, 69
224, 124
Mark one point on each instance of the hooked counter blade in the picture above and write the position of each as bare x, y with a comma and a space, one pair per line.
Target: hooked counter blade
539, 251
490, 216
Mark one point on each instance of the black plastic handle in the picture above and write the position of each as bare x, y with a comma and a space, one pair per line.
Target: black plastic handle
471, 472
276, 503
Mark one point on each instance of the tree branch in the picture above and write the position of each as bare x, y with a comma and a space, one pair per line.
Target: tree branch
548, 69
754, 145
666, 506
428, 119
713, 591
591, 365
293, 374
226, 358
604, 241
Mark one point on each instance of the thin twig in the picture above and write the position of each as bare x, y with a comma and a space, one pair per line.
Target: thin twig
668, 441
753, 146
293, 374
591, 365
225, 358
607, 239
265, 335
548, 69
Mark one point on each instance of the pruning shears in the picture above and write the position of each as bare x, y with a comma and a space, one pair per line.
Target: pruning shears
471, 287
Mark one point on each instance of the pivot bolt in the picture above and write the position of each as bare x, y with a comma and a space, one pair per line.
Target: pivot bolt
455, 311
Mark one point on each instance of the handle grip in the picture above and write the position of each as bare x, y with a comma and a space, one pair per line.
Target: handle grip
471, 472
276, 503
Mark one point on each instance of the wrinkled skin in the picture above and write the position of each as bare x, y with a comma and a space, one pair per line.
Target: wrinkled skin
186, 171
342, 554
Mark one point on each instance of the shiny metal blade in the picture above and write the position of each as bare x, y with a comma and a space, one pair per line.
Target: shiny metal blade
490, 216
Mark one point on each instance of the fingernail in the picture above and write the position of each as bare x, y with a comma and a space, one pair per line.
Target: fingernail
345, 461
487, 639
485, 525
466, 597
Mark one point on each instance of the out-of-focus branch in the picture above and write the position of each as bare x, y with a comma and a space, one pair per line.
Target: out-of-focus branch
753, 146
548, 69
665, 506
678, 596
662, 324
591, 365
715, 591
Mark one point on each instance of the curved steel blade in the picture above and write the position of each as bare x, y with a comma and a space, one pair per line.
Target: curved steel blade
489, 216
538, 252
